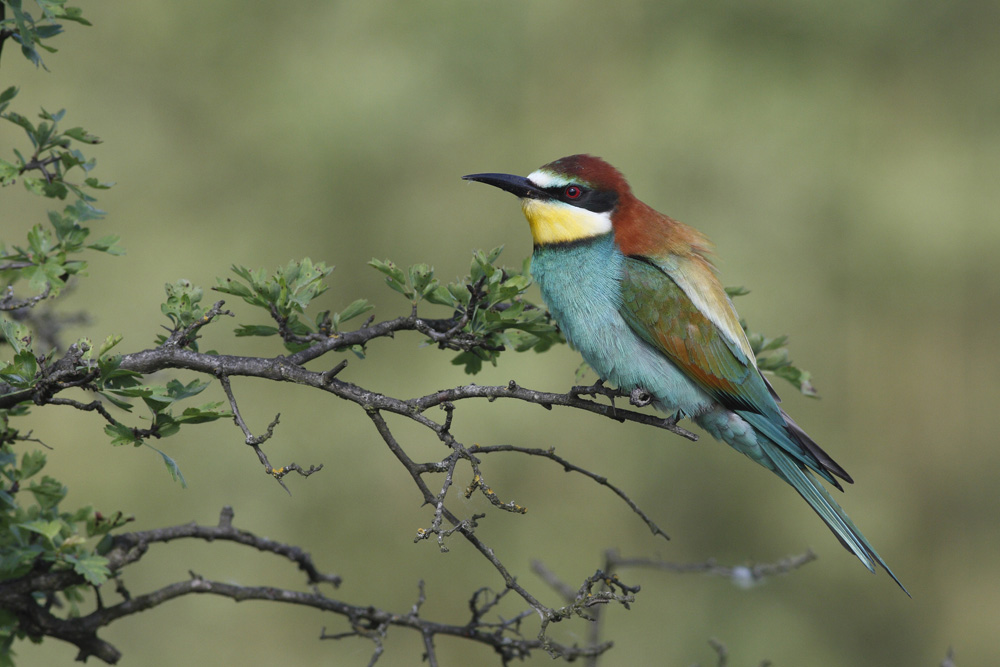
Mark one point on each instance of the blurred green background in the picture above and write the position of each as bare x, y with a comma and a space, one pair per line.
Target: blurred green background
844, 157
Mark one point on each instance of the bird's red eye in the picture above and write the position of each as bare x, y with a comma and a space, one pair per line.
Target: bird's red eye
573, 192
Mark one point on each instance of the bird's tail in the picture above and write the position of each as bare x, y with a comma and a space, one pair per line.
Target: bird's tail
785, 449
832, 514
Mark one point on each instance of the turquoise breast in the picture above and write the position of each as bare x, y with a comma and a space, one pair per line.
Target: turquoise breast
580, 284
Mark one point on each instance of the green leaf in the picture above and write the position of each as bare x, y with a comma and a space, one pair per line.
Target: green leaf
81, 134
49, 529
460, 292
117, 402
67, 228
83, 211
181, 306
108, 344
98, 185
256, 330
518, 283
131, 389
34, 184
21, 371
288, 291
799, 378
356, 308
7, 95
31, 464
17, 562
421, 277
115, 377
389, 269
441, 296
23, 123
230, 286
108, 244
175, 471
15, 334
773, 343
204, 413
394, 277
473, 364
8, 171
737, 291
166, 425
178, 391
122, 435
74, 14
91, 567
48, 493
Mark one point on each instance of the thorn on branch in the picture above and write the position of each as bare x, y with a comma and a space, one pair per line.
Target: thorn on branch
328, 376
421, 598
478, 483
249, 437
120, 588
12, 435
449, 409
260, 439
226, 517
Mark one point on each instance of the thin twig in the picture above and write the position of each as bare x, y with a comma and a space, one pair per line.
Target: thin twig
570, 467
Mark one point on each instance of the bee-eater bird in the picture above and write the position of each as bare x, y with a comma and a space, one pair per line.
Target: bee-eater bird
635, 292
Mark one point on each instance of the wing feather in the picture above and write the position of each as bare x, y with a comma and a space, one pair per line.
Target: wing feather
663, 313
705, 346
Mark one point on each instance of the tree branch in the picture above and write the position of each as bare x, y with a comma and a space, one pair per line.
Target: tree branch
176, 353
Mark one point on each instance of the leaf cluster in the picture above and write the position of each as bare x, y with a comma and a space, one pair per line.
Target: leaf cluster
30, 32
50, 254
489, 306
37, 536
285, 295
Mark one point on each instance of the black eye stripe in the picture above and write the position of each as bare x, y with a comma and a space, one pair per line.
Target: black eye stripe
598, 201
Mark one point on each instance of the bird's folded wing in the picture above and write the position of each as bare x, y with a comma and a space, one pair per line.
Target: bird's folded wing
691, 321
697, 330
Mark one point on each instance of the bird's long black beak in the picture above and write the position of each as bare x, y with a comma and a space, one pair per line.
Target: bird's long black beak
516, 185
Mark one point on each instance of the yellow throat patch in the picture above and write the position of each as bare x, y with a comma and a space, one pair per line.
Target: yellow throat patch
556, 222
